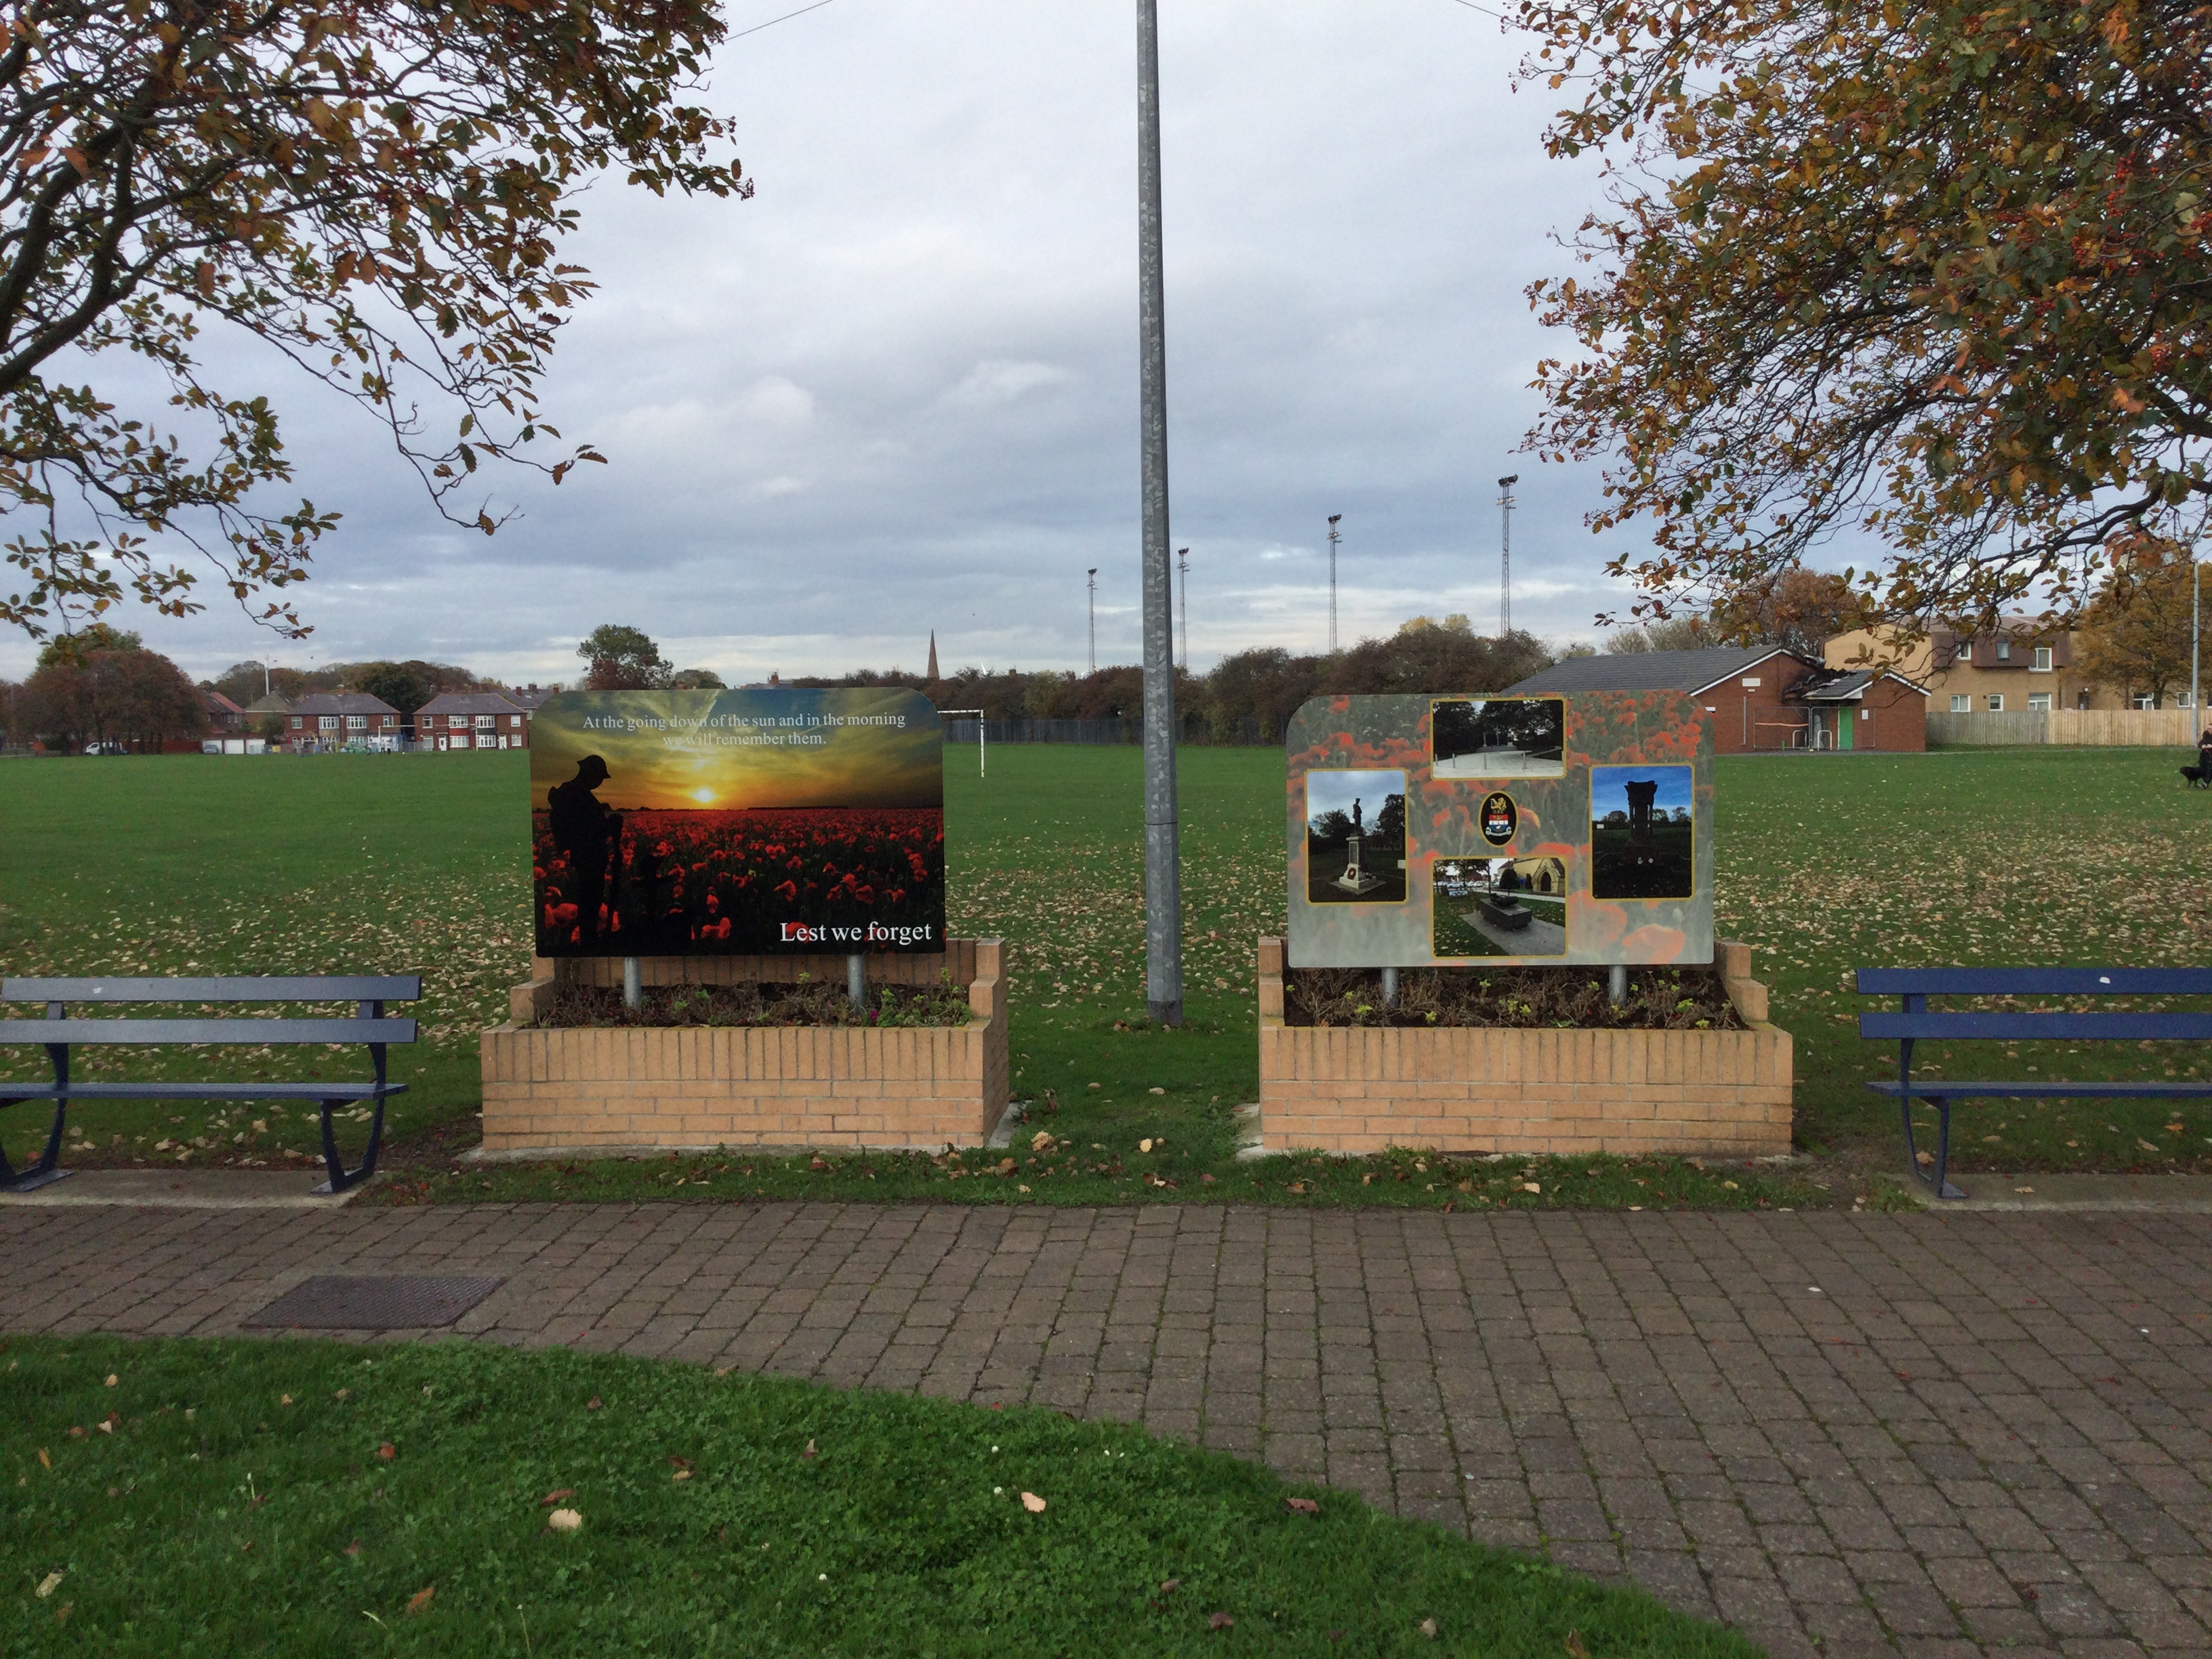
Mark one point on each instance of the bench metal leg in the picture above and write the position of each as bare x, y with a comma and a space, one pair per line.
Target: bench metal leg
1934, 1178
43, 1173
342, 1179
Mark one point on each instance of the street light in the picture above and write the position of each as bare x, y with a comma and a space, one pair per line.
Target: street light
1183, 566
1506, 556
1094, 619
1333, 538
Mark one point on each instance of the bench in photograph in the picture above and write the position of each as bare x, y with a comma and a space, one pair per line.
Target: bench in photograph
58, 1032
1917, 1023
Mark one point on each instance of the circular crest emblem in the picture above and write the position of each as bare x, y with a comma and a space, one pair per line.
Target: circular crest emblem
1500, 818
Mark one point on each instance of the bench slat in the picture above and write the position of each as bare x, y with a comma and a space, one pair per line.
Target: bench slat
1947, 1088
2035, 982
2018, 1025
197, 1090
391, 988
207, 1030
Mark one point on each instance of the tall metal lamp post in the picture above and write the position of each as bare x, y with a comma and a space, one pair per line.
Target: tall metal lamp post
1506, 554
1333, 538
1163, 868
1183, 569
1094, 619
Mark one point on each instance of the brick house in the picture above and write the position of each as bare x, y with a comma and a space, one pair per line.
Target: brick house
225, 718
2020, 665
472, 719
324, 722
1761, 698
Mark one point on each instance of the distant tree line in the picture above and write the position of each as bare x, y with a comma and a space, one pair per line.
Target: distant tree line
1248, 697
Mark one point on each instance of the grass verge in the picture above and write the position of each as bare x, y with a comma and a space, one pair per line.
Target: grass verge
306, 1498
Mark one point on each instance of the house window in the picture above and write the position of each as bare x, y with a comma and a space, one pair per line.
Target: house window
1960, 702
1966, 651
356, 722
2043, 659
295, 722
326, 722
515, 720
2142, 700
2039, 702
1996, 702
2004, 650
1751, 683
486, 722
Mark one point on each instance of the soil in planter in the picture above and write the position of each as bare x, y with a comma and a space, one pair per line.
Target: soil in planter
759, 1003
1659, 998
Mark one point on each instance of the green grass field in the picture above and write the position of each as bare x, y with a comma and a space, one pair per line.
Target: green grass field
417, 863
305, 1499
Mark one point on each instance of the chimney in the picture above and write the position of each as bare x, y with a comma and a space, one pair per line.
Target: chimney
774, 678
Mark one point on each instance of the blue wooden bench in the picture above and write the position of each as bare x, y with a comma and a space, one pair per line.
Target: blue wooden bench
1917, 1023
57, 1032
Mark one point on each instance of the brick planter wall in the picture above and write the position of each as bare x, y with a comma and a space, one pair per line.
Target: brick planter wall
1363, 1089
704, 1086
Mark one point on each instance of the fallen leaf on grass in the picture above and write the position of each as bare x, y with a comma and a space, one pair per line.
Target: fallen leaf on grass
421, 1599
1531, 1186
1575, 1648
354, 1548
809, 1452
564, 1520
112, 1379
1170, 1586
1143, 1145
1428, 1628
44, 1461
1032, 1503
592, 1404
1220, 1621
554, 1496
62, 1612
284, 1399
48, 1585
387, 1452
1302, 1506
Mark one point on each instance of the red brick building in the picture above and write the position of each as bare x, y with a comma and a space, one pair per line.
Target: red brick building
324, 722
472, 719
1761, 698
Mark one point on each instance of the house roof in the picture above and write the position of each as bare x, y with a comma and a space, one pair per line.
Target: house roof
1850, 686
471, 702
1652, 670
268, 703
342, 703
219, 704
529, 696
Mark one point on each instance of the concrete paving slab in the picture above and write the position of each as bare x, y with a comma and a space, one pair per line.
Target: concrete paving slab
186, 1189
2169, 1194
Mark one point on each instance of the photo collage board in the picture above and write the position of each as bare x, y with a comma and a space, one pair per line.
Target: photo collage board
1465, 830
753, 822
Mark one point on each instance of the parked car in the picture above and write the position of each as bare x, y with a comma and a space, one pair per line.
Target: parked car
104, 749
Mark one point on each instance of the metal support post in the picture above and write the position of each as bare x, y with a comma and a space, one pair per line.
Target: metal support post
633, 984
1616, 986
1389, 987
1162, 869
856, 978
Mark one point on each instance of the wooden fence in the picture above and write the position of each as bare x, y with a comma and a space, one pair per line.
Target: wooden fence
2170, 728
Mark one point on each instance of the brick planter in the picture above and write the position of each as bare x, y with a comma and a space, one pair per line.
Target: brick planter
704, 1086
1358, 1089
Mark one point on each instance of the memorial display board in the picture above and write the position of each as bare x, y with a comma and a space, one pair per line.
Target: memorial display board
747, 822
1447, 830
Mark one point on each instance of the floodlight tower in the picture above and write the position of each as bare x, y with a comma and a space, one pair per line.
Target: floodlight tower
1506, 554
1182, 568
1094, 619
1333, 538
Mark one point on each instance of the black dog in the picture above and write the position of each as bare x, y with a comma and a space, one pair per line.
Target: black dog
2199, 776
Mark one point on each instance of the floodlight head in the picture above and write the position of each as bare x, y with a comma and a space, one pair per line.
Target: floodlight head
1092, 571
1334, 517
1509, 481
1183, 552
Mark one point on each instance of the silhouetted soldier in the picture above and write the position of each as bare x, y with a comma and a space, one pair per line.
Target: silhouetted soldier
1356, 828
590, 835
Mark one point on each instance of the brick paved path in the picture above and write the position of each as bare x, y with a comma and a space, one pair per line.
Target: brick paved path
1984, 1429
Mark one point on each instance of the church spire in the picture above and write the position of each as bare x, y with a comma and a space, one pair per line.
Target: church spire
933, 655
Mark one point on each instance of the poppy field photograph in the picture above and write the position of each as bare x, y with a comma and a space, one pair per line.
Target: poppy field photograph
746, 823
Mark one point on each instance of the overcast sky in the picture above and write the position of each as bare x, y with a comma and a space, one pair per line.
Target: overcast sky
897, 390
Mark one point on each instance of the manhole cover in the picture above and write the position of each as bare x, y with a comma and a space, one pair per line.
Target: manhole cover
375, 1304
